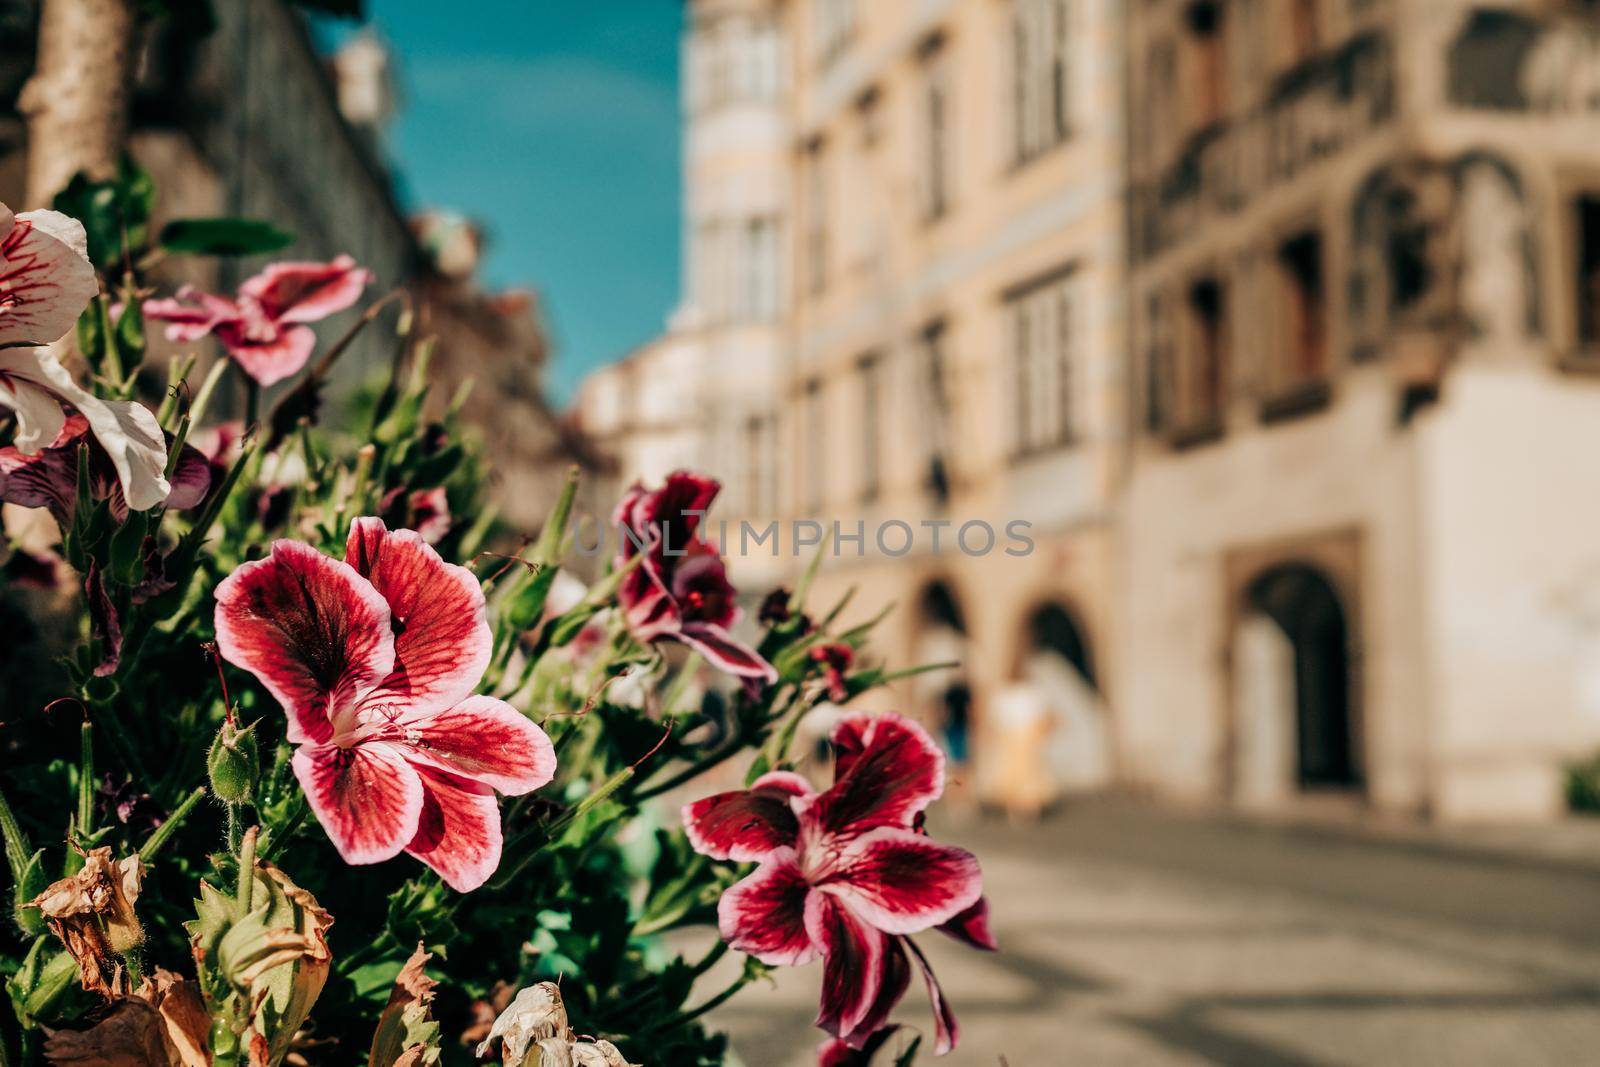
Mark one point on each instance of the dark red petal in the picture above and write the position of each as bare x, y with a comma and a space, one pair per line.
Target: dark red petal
894, 979
676, 510
765, 914
49, 478
946, 1032
191, 480
902, 882
442, 641
310, 628
486, 740
368, 798
887, 770
306, 292
852, 953
971, 927
836, 1053
458, 832
725, 653
749, 824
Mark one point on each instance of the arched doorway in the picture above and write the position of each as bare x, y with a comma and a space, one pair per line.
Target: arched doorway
1295, 720
947, 694
1056, 670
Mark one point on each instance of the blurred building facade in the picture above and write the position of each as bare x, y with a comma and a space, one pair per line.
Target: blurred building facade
253, 119
1273, 318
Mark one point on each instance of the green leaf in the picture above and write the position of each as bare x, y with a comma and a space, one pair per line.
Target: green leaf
115, 214
223, 237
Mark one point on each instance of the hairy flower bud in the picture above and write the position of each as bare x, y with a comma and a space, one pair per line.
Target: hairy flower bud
234, 763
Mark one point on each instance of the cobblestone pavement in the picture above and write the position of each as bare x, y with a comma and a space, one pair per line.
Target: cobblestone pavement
1133, 935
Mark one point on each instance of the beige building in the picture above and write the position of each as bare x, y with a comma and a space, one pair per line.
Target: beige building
1358, 551
943, 341
1271, 318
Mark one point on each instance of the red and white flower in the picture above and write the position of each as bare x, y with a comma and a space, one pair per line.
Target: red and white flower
680, 590
46, 280
846, 874
264, 326
374, 660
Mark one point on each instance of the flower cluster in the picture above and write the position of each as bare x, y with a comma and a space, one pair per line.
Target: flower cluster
847, 874
293, 655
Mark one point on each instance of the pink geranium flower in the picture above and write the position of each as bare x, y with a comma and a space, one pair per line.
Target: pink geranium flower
46, 280
374, 660
263, 327
847, 874
680, 590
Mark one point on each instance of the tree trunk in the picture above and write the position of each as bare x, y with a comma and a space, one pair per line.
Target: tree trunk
76, 103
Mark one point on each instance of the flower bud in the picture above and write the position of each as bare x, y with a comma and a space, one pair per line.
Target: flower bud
234, 763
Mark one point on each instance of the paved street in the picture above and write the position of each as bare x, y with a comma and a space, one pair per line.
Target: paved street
1131, 935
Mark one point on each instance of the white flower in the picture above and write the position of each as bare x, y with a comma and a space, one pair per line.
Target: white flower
46, 280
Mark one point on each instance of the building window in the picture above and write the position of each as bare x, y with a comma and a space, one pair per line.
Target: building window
733, 61
761, 461
936, 134
816, 219
870, 370
813, 427
1041, 85
1298, 378
1201, 394
1208, 90
835, 28
1588, 277
937, 429
1042, 343
758, 270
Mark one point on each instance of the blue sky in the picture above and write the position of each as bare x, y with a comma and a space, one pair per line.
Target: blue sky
555, 122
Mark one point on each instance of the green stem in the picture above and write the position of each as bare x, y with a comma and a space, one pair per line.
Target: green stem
17, 852
86, 779
277, 838
611, 785
170, 827
710, 1005
247, 870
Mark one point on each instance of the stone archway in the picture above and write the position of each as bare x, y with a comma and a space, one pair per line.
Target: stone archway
1295, 720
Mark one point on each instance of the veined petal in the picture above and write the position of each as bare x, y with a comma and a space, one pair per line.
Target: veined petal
48, 479
852, 953
946, 1032
310, 628
126, 429
971, 927
193, 315
442, 644
894, 979
272, 360
725, 652
747, 824
46, 278
836, 1053
191, 479
39, 415
368, 798
902, 882
765, 913
306, 292
458, 831
887, 770
486, 740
